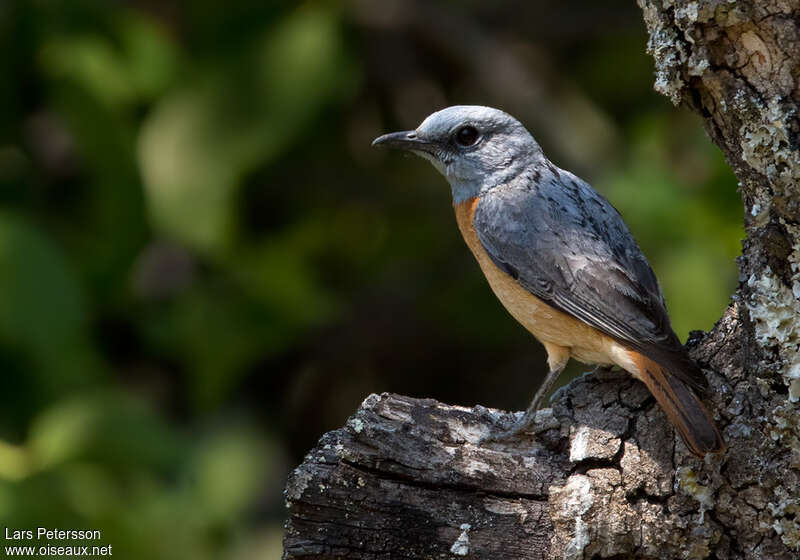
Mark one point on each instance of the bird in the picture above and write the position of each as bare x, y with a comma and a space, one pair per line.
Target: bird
562, 261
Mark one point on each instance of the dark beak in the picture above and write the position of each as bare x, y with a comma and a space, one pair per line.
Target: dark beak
406, 140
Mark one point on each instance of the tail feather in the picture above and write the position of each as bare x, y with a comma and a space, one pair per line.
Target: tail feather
683, 407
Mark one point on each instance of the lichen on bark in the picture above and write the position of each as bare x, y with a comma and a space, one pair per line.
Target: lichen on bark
738, 65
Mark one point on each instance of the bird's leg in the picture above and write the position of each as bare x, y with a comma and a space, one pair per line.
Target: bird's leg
530, 413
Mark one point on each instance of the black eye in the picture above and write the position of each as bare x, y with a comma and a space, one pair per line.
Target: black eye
466, 136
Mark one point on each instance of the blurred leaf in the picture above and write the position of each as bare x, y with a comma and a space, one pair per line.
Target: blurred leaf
152, 58
266, 544
201, 139
228, 471
93, 63
217, 334
14, 461
41, 302
696, 287
91, 490
98, 77
281, 272
42, 308
62, 433
118, 75
114, 428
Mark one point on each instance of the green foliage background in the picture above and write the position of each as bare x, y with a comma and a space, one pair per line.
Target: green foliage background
204, 266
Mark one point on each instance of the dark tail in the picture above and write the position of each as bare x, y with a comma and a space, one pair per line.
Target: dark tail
683, 407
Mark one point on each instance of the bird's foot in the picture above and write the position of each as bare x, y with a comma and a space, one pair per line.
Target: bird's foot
527, 420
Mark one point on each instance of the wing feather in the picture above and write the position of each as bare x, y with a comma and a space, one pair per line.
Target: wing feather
567, 245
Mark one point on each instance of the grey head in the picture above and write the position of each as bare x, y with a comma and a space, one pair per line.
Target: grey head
476, 148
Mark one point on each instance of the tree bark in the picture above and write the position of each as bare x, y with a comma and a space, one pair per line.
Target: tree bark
603, 475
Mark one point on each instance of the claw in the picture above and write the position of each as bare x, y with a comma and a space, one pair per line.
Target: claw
527, 420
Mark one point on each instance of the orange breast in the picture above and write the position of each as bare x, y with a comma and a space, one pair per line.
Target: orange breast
561, 334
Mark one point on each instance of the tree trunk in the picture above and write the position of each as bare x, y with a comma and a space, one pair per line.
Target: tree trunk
604, 476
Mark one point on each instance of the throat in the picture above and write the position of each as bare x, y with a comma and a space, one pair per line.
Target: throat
464, 192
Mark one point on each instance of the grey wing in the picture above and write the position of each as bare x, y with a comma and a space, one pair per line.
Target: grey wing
567, 245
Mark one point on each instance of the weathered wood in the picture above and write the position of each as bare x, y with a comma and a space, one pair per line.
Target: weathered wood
404, 475
604, 476
405, 478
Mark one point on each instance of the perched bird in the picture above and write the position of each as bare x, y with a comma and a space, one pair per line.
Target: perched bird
561, 260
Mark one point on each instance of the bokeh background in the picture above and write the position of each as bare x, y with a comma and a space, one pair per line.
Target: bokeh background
204, 265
